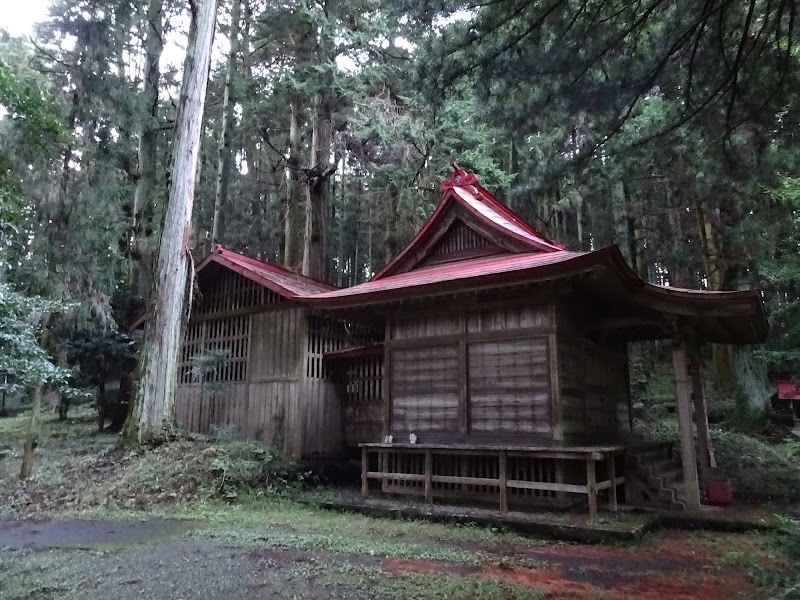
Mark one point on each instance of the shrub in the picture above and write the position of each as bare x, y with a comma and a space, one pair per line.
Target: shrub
242, 468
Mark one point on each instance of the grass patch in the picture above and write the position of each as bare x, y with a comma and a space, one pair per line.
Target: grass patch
291, 524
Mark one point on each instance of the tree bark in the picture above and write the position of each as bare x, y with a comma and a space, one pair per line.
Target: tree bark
142, 265
224, 155
317, 199
294, 227
619, 212
154, 401
32, 432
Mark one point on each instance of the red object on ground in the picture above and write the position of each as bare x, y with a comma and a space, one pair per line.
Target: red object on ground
720, 493
788, 389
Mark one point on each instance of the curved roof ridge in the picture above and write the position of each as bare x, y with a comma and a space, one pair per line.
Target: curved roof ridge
464, 188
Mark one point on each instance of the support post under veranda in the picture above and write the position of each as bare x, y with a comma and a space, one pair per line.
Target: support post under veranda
683, 396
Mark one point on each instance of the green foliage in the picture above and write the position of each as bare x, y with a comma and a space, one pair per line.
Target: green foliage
245, 468
102, 354
783, 584
22, 359
757, 467
30, 110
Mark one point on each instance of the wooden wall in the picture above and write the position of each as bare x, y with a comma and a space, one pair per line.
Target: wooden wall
267, 382
593, 381
472, 372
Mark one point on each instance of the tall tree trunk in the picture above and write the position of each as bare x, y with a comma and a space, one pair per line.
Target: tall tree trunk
224, 156
619, 211
32, 432
294, 224
155, 398
248, 122
142, 266
723, 358
314, 261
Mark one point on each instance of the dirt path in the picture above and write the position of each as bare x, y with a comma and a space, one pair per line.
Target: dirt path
84, 559
88, 534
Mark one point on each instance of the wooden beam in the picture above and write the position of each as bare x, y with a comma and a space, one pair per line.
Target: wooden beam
683, 396
463, 376
387, 378
556, 417
625, 323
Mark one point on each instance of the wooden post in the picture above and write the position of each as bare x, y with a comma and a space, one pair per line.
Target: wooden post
701, 418
591, 486
612, 475
364, 468
428, 477
503, 482
683, 397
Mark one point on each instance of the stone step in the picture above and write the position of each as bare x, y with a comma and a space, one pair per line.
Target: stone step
648, 455
666, 478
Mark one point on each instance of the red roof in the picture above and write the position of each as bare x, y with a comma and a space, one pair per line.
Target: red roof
452, 276
463, 189
280, 280
788, 389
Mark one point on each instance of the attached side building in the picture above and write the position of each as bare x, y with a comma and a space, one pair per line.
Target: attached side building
252, 358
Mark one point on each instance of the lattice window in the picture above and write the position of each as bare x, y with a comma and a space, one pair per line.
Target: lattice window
324, 335
230, 291
365, 379
215, 350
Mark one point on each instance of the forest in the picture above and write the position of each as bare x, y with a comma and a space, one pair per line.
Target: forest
668, 129
137, 135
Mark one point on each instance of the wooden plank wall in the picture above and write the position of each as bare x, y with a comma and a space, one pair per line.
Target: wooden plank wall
509, 386
472, 371
266, 405
425, 389
594, 387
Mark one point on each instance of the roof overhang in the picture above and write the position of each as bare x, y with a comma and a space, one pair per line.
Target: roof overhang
724, 317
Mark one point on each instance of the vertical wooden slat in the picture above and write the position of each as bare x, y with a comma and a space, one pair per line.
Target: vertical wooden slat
428, 477
612, 475
591, 486
364, 465
503, 482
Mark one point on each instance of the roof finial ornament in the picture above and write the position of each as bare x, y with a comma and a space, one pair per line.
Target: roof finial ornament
459, 178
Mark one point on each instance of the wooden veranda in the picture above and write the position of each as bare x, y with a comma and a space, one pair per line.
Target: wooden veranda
507, 474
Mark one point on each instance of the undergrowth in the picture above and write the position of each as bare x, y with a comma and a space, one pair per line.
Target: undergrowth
783, 583
78, 469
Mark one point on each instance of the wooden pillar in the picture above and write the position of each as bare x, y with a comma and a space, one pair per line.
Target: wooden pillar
591, 486
428, 476
612, 475
704, 446
364, 468
503, 482
683, 396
